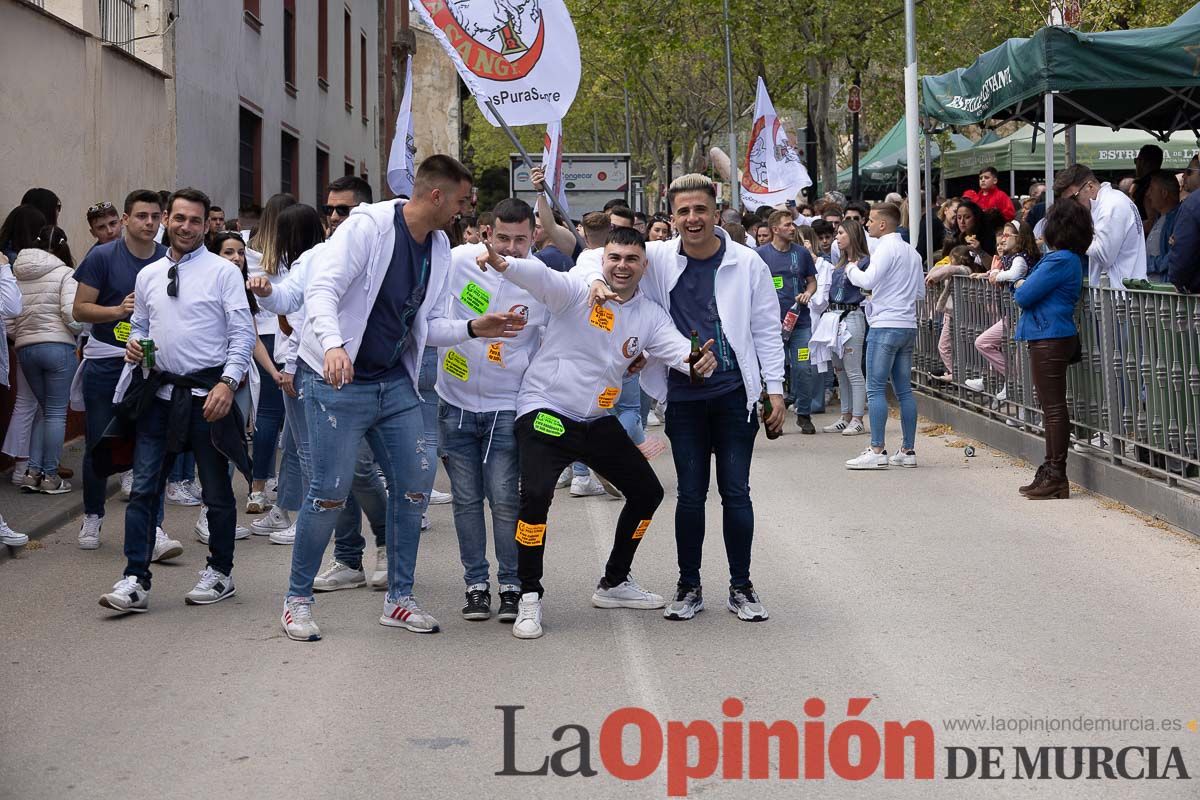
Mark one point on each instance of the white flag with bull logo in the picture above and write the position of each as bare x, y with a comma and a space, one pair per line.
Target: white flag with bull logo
522, 55
552, 153
401, 168
772, 173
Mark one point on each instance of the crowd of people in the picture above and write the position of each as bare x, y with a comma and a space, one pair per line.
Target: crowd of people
336, 357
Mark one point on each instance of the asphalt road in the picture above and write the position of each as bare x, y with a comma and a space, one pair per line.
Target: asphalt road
937, 593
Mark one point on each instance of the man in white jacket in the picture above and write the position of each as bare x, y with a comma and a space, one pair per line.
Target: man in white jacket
563, 411
478, 380
1119, 246
367, 305
722, 290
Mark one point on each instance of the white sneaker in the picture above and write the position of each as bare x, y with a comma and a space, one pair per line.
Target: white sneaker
868, 459
564, 479
257, 503
974, 384
338, 576
437, 498
1097, 442
405, 613
276, 520
425, 523
854, 428
213, 587
89, 533
20, 467
165, 547
903, 459
239, 531
626, 595
1016, 423
1003, 393
378, 579
586, 486
272, 490
10, 537
127, 595
178, 494
297, 620
126, 485
529, 617
287, 536
837, 426
652, 420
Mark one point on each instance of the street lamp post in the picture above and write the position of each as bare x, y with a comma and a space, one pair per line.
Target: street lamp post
734, 194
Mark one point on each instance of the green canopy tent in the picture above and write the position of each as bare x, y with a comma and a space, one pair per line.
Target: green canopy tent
883, 166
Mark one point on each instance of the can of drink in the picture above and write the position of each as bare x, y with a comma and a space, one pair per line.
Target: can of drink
969, 451
147, 346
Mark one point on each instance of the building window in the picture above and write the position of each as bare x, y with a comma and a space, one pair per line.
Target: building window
289, 163
116, 23
249, 159
349, 167
289, 45
362, 75
323, 43
250, 13
347, 60
322, 175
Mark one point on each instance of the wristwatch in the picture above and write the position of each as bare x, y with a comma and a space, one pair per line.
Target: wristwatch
230, 382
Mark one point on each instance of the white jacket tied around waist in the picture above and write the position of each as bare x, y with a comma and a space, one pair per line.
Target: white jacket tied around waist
48, 295
346, 275
587, 349
746, 301
482, 375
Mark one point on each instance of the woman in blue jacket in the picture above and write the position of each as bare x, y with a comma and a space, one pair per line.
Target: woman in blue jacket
1047, 298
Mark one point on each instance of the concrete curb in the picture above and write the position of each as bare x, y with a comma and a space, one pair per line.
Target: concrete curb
1148, 495
56, 516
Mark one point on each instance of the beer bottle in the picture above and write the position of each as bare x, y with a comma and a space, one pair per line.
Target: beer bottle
695, 377
765, 402
789, 319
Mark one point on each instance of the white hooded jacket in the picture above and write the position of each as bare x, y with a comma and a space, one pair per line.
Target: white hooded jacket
746, 301
345, 278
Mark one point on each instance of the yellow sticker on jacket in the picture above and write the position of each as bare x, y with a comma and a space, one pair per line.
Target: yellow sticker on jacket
121, 331
608, 398
640, 530
530, 535
802, 354
456, 366
496, 353
602, 318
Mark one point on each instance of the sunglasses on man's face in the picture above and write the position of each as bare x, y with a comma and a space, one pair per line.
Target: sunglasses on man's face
341, 211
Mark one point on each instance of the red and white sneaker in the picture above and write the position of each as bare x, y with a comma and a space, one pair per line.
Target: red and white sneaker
297, 620
405, 613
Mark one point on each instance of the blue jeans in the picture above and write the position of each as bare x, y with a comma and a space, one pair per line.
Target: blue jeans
368, 493
184, 469
629, 409
698, 429
429, 413
151, 465
49, 367
269, 419
481, 460
100, 376
799, 370
890, 355
291, 488
388, 414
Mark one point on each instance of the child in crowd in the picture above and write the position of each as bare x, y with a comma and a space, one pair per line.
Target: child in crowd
962, 260
1016, 253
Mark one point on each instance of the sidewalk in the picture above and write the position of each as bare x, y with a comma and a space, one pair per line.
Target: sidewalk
38, 514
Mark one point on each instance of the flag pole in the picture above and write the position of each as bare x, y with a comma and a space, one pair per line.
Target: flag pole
524, 155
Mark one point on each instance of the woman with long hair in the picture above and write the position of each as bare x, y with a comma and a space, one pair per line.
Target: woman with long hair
263, 256
974, 231
1047, 298
846, 299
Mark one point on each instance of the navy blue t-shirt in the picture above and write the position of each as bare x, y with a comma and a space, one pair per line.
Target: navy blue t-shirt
694, 308
112, 271
554, 258
401, 293
790, 271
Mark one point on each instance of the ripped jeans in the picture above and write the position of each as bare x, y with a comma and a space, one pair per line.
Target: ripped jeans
388, 415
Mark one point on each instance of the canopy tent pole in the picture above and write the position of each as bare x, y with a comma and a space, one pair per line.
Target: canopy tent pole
1069, 139
1048, 134
1012, 181
928, 170
910, 114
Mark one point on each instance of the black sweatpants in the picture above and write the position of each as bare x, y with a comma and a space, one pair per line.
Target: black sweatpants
548, 443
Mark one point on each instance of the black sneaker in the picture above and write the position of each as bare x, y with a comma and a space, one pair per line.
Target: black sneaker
688, 602
479, 602
805, 423
510, 599
744, 602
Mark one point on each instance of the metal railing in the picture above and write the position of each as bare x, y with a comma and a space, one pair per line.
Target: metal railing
117, 23
1134, 398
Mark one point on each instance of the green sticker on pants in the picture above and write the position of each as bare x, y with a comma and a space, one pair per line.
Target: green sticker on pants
548, 424
475, 297
777, 280
802, 354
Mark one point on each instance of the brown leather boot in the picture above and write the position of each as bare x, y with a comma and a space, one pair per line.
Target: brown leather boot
1038, 478
1055, 486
